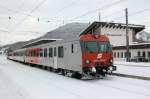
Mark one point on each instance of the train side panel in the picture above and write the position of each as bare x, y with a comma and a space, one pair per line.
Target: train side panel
72, 59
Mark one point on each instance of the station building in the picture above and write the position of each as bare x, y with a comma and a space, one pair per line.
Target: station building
117, 35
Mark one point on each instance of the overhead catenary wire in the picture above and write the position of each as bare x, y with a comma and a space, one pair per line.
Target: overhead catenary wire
34, 9
133, 14
67, 6
22, 13
95, 10
55, 20
14, 11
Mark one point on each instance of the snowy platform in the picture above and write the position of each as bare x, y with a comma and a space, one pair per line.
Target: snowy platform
133, 68
33, 83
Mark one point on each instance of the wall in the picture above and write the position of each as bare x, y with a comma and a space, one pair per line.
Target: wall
133, 54
117, 36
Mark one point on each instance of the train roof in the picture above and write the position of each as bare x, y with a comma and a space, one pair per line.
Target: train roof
95, 24
41, 41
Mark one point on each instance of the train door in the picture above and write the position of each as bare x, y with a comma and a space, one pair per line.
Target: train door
55, 57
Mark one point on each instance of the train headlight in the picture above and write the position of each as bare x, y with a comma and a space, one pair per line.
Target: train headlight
87, 61
111, 61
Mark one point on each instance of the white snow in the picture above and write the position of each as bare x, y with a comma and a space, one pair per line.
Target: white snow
140, 64
41, 84
133, 68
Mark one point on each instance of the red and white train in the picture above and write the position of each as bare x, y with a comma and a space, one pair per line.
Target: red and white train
88, 56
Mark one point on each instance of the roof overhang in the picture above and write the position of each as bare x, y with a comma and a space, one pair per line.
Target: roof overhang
95, 25
134, 46
39, 42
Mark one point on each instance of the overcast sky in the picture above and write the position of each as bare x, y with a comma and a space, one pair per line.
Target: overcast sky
19, 18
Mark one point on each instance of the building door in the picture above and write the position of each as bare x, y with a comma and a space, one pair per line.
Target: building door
55, 57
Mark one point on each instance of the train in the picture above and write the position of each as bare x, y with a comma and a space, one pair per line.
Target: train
87, 56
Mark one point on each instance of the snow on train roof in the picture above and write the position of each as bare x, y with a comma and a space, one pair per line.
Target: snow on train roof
41, 41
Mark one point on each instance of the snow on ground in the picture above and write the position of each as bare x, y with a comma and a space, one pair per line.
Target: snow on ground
41, 84
133, 68
9, 89
136, 64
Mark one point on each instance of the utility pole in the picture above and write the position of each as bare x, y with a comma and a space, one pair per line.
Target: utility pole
127, 36
99, 16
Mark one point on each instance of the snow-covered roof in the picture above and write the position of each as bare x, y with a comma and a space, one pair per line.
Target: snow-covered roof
94, 25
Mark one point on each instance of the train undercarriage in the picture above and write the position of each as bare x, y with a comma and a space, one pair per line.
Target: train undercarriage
87, 73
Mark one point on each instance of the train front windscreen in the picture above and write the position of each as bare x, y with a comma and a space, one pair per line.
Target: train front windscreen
95, 46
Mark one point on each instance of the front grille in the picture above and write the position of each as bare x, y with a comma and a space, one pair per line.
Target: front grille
98, 63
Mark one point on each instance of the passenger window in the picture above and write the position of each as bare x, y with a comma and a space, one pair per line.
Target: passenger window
72, 48
41, 53
60, 51
45, 52
55, 51
50, 52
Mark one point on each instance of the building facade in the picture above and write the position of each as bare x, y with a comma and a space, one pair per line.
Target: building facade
138, 52
115, 31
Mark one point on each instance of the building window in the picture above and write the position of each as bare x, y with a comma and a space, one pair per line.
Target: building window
129, 54
41, 53
45, 52
138, 54
148, 54
50, 52
114, 54
60, 51
125, 55
72, 48
118, 55
121, 54
143, 54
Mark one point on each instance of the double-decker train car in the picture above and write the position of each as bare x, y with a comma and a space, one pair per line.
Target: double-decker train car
88, 55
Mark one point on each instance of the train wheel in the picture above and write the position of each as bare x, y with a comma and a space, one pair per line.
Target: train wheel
76, 75
63, 72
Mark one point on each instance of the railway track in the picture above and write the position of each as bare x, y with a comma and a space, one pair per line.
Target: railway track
131, 76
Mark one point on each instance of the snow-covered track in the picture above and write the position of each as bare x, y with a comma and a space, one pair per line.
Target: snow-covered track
131, 76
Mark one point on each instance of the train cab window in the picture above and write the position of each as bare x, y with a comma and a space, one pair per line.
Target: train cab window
72, 48
41, 53
60, 51
50, 52
45, 52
